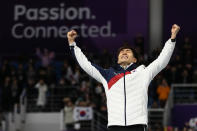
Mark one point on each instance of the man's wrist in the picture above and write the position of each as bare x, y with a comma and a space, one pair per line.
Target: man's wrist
173, 36
70, 42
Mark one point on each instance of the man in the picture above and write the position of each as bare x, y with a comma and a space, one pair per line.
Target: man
126, 85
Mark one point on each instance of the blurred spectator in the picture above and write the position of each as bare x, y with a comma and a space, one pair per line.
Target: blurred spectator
5, 71
175, 76
177, 61
185, 76
188, 57
31, 90
67, 72
152, 93
103, 110
30, 73
186, 127
187, 51
50, 75
6, 95
84, 92
13, 72
193, 123
15, 92
46, 57
155, 105
163, 90
62, 83
195, 76
76, 76
168, 74
187, 43
189, 68
21, 74
158, 127
98, 89
42, 89
81, 103
42, 74
186, 46
68, 114
176, 129
169, 128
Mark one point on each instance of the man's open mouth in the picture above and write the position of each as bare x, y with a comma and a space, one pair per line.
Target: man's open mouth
124, 57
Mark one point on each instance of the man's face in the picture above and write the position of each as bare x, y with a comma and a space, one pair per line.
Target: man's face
126, 57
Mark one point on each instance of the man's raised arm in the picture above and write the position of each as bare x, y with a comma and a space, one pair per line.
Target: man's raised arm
161, 62
93, 70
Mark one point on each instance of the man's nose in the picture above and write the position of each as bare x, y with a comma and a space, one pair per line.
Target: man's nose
124, 53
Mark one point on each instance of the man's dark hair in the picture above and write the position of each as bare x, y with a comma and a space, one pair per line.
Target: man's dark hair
127, 46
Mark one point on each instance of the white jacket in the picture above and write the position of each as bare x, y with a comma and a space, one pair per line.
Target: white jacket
42, 89
126, 90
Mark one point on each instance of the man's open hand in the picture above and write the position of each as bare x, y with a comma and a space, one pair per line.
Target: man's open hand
175, 29
71, 35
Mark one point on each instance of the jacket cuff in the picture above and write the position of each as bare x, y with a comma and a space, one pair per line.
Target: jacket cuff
173, 40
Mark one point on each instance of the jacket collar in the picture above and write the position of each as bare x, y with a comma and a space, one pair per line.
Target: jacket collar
129, 68
126, 66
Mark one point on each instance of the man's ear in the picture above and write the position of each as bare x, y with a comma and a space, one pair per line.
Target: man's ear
134, 60
117, 61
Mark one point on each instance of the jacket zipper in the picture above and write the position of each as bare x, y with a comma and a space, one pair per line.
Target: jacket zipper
125, 101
